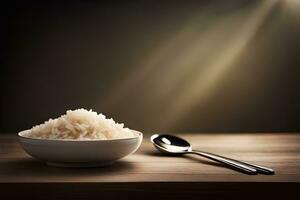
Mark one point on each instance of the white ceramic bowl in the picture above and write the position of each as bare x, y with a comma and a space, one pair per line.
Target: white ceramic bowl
79, 153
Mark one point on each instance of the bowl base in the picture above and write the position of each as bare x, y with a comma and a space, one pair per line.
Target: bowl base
79, 164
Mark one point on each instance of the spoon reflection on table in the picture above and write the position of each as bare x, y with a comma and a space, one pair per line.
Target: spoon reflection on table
174, 145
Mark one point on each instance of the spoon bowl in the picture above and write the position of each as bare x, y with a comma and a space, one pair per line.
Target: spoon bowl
170, 144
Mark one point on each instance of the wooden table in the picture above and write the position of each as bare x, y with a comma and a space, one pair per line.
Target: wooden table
149, 174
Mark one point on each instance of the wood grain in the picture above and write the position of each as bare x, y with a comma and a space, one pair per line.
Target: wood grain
148, 168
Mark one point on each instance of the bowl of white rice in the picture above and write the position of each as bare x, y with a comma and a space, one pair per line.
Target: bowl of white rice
80, 138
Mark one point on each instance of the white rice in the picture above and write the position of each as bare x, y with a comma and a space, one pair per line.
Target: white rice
81, 124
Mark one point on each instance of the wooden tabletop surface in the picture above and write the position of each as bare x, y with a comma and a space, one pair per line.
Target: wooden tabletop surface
280, 151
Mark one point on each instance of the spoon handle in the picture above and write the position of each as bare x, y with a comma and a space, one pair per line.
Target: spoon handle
260, 169
231, 163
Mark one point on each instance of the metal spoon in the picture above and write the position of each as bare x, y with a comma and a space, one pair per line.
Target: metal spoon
174, 145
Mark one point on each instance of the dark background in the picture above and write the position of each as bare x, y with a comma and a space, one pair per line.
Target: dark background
176, 66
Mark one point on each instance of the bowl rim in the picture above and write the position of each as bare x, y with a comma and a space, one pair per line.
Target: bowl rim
20, 135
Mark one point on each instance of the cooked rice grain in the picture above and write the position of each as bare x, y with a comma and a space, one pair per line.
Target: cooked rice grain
81, 124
